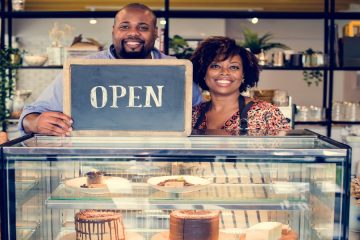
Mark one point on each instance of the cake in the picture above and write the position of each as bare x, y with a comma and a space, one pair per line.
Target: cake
264, 231
175, 182
99, 224
94, 179
355, 187
194, 225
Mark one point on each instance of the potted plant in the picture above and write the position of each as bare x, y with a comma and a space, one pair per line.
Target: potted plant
180, 48
257, 43
10, 59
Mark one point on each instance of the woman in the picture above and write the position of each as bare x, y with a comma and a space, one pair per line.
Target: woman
226, 70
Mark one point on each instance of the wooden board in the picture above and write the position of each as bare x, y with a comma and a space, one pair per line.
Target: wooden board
107, 97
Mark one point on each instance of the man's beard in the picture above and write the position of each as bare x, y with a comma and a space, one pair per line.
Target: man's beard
133, 55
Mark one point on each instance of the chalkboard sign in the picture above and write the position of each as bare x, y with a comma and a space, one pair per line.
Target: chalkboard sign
128, 97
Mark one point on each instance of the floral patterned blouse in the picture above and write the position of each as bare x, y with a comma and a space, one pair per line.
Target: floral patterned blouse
263, 118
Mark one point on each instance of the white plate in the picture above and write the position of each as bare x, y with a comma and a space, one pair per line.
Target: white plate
109, 183
199, 183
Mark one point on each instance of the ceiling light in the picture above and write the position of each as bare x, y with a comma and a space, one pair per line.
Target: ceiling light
254, 20
162, 21
93, 21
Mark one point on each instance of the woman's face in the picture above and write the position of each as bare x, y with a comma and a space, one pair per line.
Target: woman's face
225, 78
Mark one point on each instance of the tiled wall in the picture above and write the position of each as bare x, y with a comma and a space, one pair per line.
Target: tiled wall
36, 80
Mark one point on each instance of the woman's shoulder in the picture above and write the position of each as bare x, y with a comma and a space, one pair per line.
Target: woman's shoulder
262, 105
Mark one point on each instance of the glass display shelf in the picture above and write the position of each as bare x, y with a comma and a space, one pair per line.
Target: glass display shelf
27, 230
25, 189
215, 196
147, 223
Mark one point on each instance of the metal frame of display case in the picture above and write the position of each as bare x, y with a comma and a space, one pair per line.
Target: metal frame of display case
6, 196
199, 152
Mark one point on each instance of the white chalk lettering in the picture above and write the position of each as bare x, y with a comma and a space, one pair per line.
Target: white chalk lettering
115, 94
157, 98
133, 94
93, 97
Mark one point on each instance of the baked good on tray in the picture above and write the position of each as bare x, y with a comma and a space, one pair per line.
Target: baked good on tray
99, 224
194, 225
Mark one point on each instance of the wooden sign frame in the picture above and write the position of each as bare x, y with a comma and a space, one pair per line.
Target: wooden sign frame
131, 62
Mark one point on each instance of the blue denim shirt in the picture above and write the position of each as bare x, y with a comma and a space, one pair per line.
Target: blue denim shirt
51, 99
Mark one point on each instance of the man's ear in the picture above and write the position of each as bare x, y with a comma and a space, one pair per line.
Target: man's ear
156, 33
112, 32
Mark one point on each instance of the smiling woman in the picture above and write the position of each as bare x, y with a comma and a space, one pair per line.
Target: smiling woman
227, 70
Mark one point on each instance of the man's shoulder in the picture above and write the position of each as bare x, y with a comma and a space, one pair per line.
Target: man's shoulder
159, 55
99, 55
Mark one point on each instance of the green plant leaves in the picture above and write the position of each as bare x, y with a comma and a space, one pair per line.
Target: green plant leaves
180, 47
256, 43
9, 61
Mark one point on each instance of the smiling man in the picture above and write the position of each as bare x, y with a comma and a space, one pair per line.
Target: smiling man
134, 34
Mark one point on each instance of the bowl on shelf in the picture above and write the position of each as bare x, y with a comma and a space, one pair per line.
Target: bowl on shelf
23, 93
35, 60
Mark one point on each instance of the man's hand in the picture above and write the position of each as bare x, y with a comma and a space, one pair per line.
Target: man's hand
48, 123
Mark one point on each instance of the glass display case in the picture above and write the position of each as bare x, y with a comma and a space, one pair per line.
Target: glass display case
152, 188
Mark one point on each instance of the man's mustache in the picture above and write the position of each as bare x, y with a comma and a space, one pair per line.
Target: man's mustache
133, 39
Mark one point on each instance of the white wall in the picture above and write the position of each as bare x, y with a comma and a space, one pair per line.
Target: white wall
33, 33
197, 28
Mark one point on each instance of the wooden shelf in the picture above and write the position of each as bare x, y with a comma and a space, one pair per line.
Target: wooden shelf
287, 68
40, 67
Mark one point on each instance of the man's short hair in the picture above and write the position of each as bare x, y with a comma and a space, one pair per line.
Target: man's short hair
138, 6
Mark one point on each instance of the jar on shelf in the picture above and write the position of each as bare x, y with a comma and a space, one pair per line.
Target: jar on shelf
280, 98
315, 113
351, 110
18, 5
302, 113
18, 102
338, 111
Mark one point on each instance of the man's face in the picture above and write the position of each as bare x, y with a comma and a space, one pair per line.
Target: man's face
134, 33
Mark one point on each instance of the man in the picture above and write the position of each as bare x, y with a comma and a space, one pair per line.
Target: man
134, 34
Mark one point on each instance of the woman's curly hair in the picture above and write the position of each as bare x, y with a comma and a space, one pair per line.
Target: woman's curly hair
219, 49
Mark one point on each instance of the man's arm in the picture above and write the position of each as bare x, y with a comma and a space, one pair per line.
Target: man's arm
47, 123
44, 115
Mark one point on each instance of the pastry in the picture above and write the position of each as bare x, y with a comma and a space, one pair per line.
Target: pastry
176, 182
194, 225
99, 224
94, 179
264, 231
